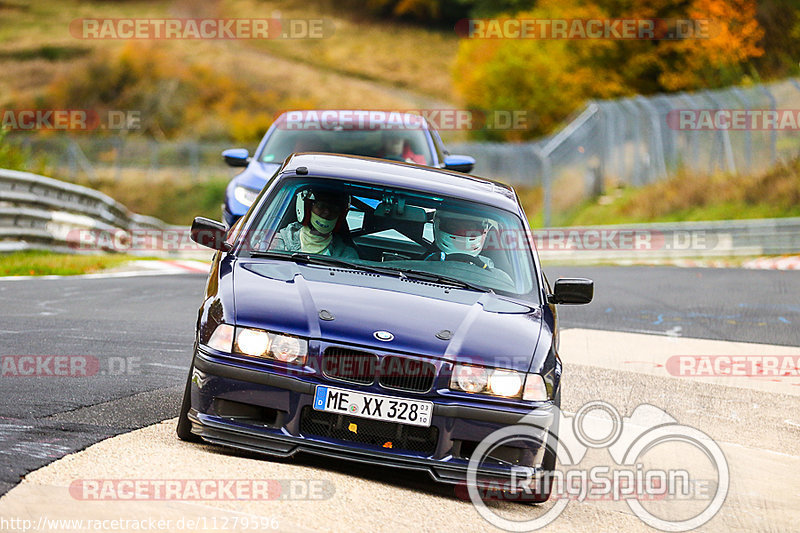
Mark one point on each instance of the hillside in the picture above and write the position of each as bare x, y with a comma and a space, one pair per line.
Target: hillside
364, 63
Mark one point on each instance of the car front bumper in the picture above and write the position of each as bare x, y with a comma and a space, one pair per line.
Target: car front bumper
271, 422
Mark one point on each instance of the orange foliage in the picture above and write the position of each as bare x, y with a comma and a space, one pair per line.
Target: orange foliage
171, 97
552, 78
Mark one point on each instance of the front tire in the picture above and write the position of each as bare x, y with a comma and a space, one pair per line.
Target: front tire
184, 428
542, 494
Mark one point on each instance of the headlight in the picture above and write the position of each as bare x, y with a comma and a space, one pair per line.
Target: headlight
259, 343
253, 342
289, 349
505, 383
535, 389
222, 338
498, 382
244, 195
469, 378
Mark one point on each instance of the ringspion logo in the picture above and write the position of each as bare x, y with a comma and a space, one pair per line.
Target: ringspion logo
648, 432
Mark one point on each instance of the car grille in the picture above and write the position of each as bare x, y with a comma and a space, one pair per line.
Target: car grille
372, 432
350, 365
407, 374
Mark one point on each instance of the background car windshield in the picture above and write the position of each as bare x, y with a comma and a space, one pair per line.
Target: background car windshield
407, 230
371, 143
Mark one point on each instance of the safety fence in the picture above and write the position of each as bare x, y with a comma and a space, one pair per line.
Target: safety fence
44, 213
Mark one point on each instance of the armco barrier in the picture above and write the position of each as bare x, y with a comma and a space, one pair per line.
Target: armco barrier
40, 212
671, 240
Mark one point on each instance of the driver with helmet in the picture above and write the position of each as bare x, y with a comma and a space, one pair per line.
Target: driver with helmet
460, 237
320, 223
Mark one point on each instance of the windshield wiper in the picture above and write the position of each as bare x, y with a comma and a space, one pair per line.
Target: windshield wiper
313, 259
441, 278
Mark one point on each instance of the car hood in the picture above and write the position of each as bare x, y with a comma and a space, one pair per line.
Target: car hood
256, 175
349, 306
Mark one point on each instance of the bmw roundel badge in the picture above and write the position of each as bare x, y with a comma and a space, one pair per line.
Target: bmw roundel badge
384, 336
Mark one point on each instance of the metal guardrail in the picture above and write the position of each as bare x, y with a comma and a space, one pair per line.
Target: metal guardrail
640, 140
40, 212
670, 240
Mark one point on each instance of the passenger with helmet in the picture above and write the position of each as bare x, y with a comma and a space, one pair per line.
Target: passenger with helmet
460, 237
320, 225
396, 147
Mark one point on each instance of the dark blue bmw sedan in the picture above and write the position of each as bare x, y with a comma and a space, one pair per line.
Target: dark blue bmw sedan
380, 312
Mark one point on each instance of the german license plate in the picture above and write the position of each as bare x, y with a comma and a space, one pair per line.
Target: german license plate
373, 406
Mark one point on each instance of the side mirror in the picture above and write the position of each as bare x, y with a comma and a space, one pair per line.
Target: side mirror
236, 157
459, 163
572, 291
210, 233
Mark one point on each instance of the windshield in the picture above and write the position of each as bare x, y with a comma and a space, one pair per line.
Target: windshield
409, 145
409, 233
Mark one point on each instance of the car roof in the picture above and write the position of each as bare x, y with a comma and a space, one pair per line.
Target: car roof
404, 175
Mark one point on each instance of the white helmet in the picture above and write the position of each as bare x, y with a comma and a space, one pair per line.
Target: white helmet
455, 233
306, 198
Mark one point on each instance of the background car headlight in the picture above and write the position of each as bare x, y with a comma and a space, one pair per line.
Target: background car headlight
253, 342
469, 378
288, 349
498, 382
244, 195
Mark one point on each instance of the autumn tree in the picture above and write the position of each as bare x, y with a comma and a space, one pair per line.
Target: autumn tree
553, 77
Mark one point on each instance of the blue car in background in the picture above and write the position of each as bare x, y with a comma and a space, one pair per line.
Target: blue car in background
412, 325
394, 136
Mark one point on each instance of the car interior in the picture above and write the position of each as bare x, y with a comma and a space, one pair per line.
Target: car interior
351, 142
384, 226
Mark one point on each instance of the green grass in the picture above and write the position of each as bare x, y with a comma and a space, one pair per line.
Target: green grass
41, 263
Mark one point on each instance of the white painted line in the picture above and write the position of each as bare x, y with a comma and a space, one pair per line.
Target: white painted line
648, 354
138, 268
175, 367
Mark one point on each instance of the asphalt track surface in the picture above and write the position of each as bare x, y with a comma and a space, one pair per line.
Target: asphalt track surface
148, 323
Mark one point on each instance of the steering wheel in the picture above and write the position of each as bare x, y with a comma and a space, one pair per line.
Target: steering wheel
466, 258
